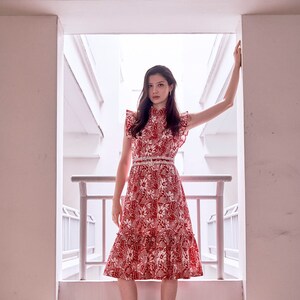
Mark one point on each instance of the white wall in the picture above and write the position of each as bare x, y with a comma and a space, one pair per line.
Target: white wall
107, 67
30, 108
196, 148
271, 47
108, 72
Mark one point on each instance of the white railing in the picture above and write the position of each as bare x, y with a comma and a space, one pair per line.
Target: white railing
231, 233
218, 196
70, 233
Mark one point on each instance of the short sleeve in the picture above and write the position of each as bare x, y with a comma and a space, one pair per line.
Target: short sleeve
183, 131
129, 121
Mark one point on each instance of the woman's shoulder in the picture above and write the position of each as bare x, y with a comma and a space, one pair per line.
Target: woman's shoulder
130, 113
129, 120
185, 118
183, 114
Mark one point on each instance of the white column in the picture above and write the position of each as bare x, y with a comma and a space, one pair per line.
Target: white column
31, 155
271, 82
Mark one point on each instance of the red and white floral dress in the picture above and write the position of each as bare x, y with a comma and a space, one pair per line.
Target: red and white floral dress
155, 238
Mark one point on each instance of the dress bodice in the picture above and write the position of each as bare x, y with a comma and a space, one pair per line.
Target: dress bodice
155, 140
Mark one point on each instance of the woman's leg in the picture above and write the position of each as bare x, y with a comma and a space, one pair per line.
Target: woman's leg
168, 289
127, 289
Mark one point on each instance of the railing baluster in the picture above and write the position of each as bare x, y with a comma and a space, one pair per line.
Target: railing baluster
69, 234
220, 229
199, 225
103, 230
83, 229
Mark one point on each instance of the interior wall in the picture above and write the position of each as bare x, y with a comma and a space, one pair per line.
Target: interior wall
107, 60
28, 126
28, 174
271, 72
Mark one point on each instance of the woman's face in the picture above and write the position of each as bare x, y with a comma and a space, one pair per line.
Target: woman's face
158, 90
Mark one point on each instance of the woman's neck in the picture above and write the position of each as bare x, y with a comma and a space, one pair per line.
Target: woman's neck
159, 106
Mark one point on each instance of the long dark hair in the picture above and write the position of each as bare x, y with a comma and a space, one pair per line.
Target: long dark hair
143, 112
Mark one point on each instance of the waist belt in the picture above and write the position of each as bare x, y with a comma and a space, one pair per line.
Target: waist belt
153, 160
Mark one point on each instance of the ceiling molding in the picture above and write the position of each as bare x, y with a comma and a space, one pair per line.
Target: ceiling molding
144, 16
78, 114
86, 57
215, 66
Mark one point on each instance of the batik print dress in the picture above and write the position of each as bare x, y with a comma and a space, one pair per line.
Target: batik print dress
155, 238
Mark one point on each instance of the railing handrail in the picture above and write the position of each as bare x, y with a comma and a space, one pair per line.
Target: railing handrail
218, 196
184, 178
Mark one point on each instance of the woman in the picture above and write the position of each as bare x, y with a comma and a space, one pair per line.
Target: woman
155, 238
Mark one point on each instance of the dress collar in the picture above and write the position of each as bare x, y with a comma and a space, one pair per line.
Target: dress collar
157, 111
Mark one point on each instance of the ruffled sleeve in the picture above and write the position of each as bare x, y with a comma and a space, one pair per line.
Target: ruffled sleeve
183, 131
129, 121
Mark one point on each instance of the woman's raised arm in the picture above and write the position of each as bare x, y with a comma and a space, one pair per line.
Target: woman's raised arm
227, 102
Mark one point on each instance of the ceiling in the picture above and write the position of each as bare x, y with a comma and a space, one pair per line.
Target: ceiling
149, 16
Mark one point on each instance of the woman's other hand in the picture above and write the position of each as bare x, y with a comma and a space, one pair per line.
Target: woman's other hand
116, 213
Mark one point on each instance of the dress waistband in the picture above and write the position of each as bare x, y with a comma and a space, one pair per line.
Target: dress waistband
152, 160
